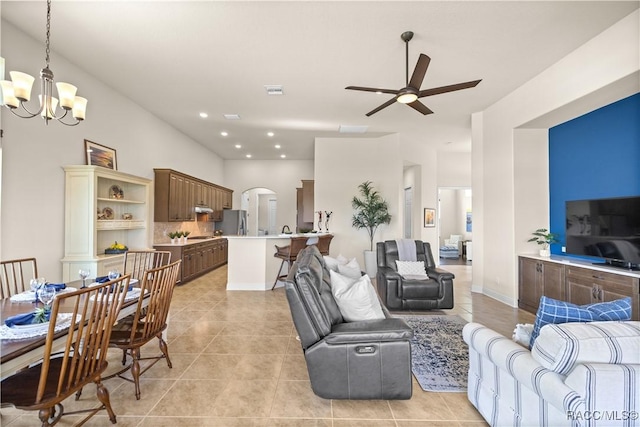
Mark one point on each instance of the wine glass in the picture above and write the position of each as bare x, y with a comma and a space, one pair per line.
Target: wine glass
83, 275
46, 295
34, 285
113, 274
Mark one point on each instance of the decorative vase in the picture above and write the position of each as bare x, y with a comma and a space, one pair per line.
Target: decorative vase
545, 252
173, 241
184, 239
370, 264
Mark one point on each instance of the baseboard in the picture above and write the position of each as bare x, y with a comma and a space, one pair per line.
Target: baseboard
511, 302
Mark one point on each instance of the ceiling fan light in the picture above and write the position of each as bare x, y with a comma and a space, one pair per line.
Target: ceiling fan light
407, 98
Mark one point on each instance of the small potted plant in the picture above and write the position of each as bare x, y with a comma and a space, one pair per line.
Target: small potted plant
185, 234
172, 235
544, 237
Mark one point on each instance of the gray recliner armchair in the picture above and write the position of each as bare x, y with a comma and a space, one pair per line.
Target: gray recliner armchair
399, 293
346, 360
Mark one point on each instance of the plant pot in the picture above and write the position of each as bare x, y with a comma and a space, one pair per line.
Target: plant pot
370, 263
173, 241
545, 252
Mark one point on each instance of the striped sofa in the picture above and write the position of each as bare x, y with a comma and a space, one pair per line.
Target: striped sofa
576, 374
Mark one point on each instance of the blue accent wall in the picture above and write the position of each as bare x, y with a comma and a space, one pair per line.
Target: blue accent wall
592, 157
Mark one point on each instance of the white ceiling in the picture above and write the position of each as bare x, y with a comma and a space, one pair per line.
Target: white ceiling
179, 58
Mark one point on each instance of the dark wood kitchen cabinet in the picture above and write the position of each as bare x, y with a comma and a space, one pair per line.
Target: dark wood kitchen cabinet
177, 194
197, 258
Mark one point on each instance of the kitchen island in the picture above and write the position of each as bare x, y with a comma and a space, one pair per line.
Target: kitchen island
251, 264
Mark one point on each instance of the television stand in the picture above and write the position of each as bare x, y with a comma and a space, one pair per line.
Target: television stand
618, 264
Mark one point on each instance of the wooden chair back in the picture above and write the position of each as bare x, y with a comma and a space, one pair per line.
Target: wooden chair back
137, 262
150, 321
324, 241
89, 315
15, 276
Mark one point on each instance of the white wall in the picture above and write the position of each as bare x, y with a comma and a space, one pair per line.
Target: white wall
280, 176
498, 167
33, 154
341, 164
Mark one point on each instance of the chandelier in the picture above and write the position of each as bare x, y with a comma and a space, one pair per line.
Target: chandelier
17, 92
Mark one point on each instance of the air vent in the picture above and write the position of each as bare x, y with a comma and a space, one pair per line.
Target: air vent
274, 89
232, 116
353, 129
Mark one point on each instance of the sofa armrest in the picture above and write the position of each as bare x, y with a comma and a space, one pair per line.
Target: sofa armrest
517, 362
388, 273
392, 329
439, 274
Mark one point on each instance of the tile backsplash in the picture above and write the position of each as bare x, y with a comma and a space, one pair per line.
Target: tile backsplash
197, 228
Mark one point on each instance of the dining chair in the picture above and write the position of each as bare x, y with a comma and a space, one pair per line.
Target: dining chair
15, 276
134, 331
288, 254
137, 262
43, 386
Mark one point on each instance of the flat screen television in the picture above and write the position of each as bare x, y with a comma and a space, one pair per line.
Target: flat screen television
605, 228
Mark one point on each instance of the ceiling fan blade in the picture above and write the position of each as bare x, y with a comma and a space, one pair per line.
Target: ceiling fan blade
420, 107
418, 73
385, 105
373, 89
450, 88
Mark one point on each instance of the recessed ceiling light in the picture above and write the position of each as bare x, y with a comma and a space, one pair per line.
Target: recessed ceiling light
248, 156
204, 115
282, 156
277, 146
232, 116
238, 146
270, 134
224, 133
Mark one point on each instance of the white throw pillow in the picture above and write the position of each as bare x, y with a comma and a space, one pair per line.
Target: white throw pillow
350, 269
356, 298
411, 268
333, 263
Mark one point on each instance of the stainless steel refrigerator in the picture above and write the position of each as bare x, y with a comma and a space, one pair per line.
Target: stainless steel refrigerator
234, 222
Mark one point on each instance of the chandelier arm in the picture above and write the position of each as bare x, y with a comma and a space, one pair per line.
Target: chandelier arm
13, 110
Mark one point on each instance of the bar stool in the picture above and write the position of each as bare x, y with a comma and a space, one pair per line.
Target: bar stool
323, 243
288, 254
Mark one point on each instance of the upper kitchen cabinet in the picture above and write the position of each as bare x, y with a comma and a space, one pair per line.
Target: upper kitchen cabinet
102, 206
307, 200
177, 195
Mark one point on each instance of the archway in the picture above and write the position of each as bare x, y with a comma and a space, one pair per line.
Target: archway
261, 206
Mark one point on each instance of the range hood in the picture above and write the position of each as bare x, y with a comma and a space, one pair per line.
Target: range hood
203, 209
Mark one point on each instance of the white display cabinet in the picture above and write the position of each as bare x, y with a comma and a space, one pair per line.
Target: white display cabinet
103, 206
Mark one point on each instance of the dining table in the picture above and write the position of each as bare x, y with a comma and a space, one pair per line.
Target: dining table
16, 354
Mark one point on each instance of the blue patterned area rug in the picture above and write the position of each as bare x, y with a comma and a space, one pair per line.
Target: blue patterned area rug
439, 355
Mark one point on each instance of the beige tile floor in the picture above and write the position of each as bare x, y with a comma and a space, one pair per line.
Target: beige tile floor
236, 363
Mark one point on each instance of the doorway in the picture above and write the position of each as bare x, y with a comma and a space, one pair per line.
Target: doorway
408, 217
261, 206
455, 218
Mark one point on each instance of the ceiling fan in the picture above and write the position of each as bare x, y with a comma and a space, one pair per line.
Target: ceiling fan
409, 95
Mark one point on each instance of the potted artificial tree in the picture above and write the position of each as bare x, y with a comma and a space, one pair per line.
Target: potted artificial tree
543, 237
371, 212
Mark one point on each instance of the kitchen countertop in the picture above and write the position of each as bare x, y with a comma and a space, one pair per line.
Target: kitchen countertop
190, 241
279, 236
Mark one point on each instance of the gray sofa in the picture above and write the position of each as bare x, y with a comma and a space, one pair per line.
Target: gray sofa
345, 360
398, 293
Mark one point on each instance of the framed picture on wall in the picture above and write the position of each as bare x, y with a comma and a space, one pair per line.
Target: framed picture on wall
429, 217
100, 155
